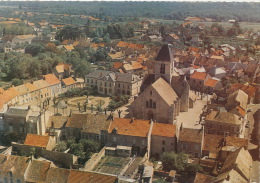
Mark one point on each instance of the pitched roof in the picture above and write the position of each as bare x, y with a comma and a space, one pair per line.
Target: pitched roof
248, 89
37, 171
117, 65
29, 36
36, 140
122, 44
199, 75
22, 89
58, 121
165, 91
60, 68
30, 87
236, 141
97, 74
57, 175
51, 79
165, 53
41, 84
164, 130
191, 135
223, 117
211, 82
68, 47
89, 123
203, 178
130, 127
213, 144
239, 97
76, 176
69, 81
16, 164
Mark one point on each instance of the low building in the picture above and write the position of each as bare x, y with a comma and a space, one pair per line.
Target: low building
68, 83
54, 83
40, 141
220, 123
134, 133
197, 80
212, 85
190, 141
89, 126
63, 70
163, 139
56, 126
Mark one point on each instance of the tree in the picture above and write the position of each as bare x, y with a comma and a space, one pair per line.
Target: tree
173, 161
68, 32
34, 49
61, 146
16, 82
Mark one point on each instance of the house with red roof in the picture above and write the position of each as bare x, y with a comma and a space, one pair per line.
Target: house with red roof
211, 85
198, 80
54, 83
39, 141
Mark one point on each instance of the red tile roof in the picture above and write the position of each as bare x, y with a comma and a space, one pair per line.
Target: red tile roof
36, 140
51, 79
69, 81
117, 65
122, 44
199, 75
76, 176
130, 127
165, 130
248, 89
211, 82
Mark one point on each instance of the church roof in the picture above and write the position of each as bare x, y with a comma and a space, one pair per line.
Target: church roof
165, 91
165, 53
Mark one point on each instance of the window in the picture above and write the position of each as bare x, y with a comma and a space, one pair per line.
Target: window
150, 103
105, 84
151, 92
101, 89
147, 104
5, 180
154, 105
163, 142
18, 181
162, 68
196, 147
118, 85
110, 85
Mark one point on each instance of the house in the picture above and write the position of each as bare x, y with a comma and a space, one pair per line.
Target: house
25, 119
190, 141
23, 39
218, 122
134, 133
203, 178
43, 89
89, 126
110, 83
56, 126
40, 141
237, 167
212, 85
23, 94
237, 103
198, 80
163, 139
13, 168
212, 145
68, 83
54, 83
32, 92
63, 70
217, 72
57, 175
248, 89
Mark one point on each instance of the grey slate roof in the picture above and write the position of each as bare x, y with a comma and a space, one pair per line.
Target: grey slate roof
97, 74
15, 112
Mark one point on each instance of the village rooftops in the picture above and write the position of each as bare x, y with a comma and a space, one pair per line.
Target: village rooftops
248, 89
76, 176
15, 164
40, 84
98, 74
51, 79
190, 135
199, 75
203, 178
17, 112
30, 87
57, 175
211, 82
165, 53
57, 121
36, 140
223, 117
213, 144
69, 81
29, 36
164, 130
37, 171
130, 127
89, 123
237, 98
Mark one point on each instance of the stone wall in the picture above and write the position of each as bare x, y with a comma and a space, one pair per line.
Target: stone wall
92, 162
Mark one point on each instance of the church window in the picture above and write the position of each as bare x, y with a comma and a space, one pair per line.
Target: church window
154, 105
150, 103
162, 69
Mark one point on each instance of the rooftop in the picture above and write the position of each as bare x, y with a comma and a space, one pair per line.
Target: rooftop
69, 81
191, 135
165, 130
223, 117
36, 140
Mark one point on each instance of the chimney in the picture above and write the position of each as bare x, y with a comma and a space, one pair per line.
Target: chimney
132, 120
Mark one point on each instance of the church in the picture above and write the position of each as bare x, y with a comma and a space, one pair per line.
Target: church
163, 93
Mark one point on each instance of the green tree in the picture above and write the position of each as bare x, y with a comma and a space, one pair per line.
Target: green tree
34, 49
16, 82
61, 146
